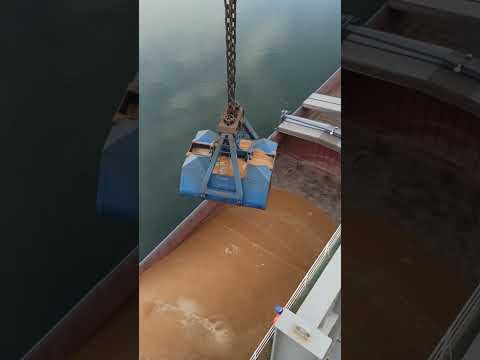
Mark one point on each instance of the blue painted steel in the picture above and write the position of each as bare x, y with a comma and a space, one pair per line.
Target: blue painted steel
117, 193
222, 187
267, 146
207, 137
197, 178
250, 130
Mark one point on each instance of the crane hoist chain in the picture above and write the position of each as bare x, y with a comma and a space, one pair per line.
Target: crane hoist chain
231, 40
207, 175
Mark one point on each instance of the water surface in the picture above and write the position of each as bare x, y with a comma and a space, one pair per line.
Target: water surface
285, 50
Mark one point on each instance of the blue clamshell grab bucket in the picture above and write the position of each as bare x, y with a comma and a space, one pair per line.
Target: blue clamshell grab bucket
230, 169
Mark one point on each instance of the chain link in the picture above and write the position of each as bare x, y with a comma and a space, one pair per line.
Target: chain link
231, 40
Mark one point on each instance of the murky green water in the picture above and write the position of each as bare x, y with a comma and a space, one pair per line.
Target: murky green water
285, 50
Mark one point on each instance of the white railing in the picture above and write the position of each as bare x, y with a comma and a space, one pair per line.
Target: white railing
445, 349
320, 263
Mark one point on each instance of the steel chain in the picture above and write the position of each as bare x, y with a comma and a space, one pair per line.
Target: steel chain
230, 40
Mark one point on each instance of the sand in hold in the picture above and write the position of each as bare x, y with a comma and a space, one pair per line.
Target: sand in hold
398, 293
117, 339
213, 297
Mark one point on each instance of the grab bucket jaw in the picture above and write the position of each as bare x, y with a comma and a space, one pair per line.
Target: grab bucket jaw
230, 169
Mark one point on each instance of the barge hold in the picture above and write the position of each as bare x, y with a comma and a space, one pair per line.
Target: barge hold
209, 289
412, 109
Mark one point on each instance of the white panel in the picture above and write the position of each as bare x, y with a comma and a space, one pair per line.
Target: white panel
326, 98
323, 294
284, 348
324, 106
317, 343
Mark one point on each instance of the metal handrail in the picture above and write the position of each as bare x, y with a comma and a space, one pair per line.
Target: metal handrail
459, 327
314, 124
321, 261
396, 44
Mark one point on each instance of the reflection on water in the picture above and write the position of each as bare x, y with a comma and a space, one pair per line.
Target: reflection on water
285, 50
